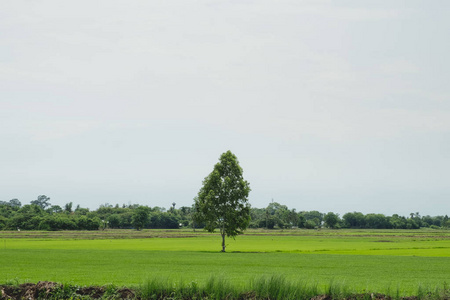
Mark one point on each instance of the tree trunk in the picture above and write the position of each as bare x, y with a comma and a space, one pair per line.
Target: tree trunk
223, 241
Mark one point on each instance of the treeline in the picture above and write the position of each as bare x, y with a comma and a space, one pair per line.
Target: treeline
40, 214
280, 216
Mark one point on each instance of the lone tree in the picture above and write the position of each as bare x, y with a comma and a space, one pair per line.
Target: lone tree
222, 201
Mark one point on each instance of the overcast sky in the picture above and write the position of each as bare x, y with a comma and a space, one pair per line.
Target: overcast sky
329, 105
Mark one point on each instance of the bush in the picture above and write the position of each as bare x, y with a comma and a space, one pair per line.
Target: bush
57, 222
310, 224
85, 223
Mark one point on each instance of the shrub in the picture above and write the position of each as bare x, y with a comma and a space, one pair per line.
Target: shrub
310, 224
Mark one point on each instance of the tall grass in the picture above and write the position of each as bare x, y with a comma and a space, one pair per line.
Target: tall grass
273, 287
278, 287
265, 287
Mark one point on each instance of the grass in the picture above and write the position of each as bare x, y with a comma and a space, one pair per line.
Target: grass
270, 287
418, 243
334, 261
218, 287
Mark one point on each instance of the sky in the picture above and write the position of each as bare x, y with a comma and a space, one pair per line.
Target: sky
335, 106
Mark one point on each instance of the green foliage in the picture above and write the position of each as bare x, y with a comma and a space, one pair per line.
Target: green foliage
354, 220
15, 203
3, 221
140, 217
42, 201
301, 221
88, 223
57, 222
446, 224
163, 220
270, 223
310, 224
281, 216
68, 207
331, 220
222, 201
113, 221
313, 215
14, 216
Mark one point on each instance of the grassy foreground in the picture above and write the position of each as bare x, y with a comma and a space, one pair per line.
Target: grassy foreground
216, 287
402, 262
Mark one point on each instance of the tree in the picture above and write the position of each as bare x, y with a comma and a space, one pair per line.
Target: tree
313, 215
301, 220
114, 221
280, 213
140, 217
354, 220
222, 201
54, 209
68, 207
15, 203
331, 220
42, 201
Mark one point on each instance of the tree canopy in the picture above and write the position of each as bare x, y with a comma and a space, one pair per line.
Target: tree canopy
222, 201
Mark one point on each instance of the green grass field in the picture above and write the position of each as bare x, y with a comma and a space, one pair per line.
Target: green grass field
359, 259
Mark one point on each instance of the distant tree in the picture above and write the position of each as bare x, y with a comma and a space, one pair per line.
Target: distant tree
313, 214
158, 209
397, 222
446, 224
310, 224
280, 214
15, 203
331, 220
168, 221
140, 217
114, 221
301, 220
105, 210
354, 220
42, 201
412, 224
185, 210
12, 203
81, 211
258, 217
3, 221
376, 221
55, 209
88, 223
222, 201
125, 220
68, 207
293, 217
270, 223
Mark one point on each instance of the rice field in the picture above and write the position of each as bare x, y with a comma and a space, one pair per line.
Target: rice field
361, 260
